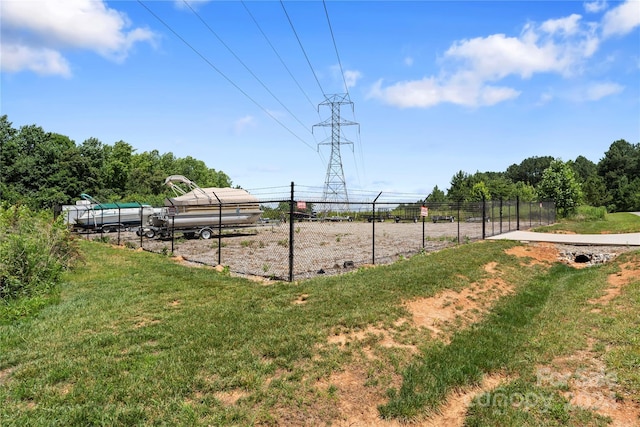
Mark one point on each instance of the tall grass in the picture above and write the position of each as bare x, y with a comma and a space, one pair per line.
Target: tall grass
589, 213
34, 252
596, 220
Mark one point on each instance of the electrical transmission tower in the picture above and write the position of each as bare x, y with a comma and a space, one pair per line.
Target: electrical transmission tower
335, 188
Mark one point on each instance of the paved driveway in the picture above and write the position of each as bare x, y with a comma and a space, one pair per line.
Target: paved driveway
627, 239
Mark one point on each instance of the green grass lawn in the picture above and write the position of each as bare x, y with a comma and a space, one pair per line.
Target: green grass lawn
621, 222
136, 339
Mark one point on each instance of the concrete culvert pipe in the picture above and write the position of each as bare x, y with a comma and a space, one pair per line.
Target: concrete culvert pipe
582, 258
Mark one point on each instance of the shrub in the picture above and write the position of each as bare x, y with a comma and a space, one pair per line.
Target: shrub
34, 251
589, 213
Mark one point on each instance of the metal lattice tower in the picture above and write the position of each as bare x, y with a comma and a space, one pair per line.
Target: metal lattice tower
335, 187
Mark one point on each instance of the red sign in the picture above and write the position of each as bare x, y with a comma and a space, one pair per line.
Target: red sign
302, 205
424, 211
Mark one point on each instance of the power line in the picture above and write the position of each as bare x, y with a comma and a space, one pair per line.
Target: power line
301, 47
243, 64
224, 75
346, 88
277, 54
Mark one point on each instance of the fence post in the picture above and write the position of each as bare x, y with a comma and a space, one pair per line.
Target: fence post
459, 222
119, 222
484, 215
518, 213
173, 233
423, 217
291, 230
141, 231
501, 217
373, 237
219, 229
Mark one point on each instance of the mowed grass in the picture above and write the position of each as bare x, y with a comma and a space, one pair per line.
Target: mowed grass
621, 222
137, 339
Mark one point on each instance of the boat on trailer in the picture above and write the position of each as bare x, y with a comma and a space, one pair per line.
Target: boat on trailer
199, 211
93, 215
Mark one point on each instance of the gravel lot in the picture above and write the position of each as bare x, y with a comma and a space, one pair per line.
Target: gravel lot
319, 247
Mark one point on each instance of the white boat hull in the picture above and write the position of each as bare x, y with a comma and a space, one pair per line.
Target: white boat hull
194, 218
95, 218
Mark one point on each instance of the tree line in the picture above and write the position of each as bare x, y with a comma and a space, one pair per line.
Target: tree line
40, 169
613, 182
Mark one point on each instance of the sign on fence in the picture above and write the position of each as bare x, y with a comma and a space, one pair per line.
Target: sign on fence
424, 211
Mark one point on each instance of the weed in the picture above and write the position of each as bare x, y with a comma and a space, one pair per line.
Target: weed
284, 243
102, 239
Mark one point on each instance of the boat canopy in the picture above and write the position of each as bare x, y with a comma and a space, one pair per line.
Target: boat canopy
207, 197
204, 196
96, 205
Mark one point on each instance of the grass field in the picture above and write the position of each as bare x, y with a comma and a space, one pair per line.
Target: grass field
621, 222
136, 338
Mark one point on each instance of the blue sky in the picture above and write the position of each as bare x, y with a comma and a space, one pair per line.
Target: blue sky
437, 87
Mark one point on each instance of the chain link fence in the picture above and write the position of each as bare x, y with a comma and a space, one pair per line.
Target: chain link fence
302, 235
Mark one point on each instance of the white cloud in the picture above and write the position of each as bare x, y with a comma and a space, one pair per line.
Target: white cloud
595, 6
568, 25
622, 19
429, 92
243, 123
351, 77
545, 98
472, 67
55, 25
39, 60
597, 91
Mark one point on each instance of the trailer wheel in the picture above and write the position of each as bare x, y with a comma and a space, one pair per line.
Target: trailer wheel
205, 233
150, 234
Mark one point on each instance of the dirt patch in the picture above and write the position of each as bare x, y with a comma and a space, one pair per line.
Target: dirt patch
537, 254
453, 412
576, 256
142, 322
491, 267
302, 299
628, 273
230, 397
585, 382
5, 374
358, 400
382, 337
448, 309
357, 403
